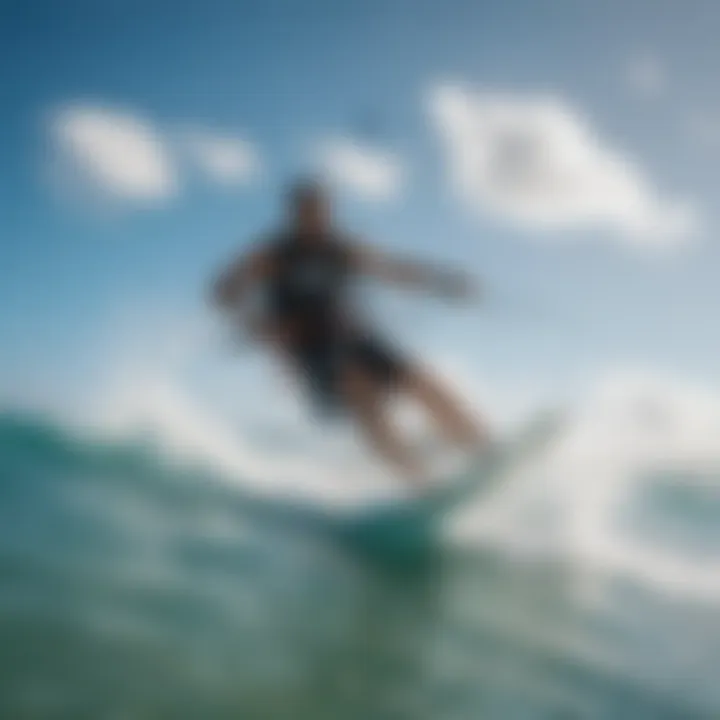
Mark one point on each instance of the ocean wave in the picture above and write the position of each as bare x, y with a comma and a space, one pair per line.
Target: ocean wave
121, 565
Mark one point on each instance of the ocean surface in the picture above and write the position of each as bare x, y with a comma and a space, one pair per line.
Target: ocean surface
133, 587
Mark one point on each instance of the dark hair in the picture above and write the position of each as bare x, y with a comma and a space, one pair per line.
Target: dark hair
306, 189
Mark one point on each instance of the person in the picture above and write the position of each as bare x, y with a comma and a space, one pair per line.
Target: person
306, 273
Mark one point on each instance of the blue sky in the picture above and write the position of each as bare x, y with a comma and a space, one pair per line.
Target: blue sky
266, 89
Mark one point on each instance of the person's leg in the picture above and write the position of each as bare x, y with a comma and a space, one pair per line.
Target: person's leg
365, 399
453, 420
394, 372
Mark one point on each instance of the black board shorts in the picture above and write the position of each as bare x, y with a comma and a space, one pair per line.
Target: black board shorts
322, 362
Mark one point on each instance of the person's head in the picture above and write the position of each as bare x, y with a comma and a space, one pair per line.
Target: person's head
309, 206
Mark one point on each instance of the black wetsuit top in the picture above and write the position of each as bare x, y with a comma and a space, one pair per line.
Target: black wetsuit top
311, 285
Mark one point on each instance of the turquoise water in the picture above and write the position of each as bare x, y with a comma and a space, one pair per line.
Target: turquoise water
132, 588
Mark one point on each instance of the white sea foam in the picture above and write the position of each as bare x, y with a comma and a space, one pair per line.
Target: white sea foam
586, 499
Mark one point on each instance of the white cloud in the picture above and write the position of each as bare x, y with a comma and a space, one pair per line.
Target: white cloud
367, 171
120, 155
114, 152
535, 161
646, 76
225, 159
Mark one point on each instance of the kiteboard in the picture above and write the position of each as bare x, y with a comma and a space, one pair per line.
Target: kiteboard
408, 520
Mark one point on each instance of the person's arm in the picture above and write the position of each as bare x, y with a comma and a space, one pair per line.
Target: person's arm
232, 286
409, 273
